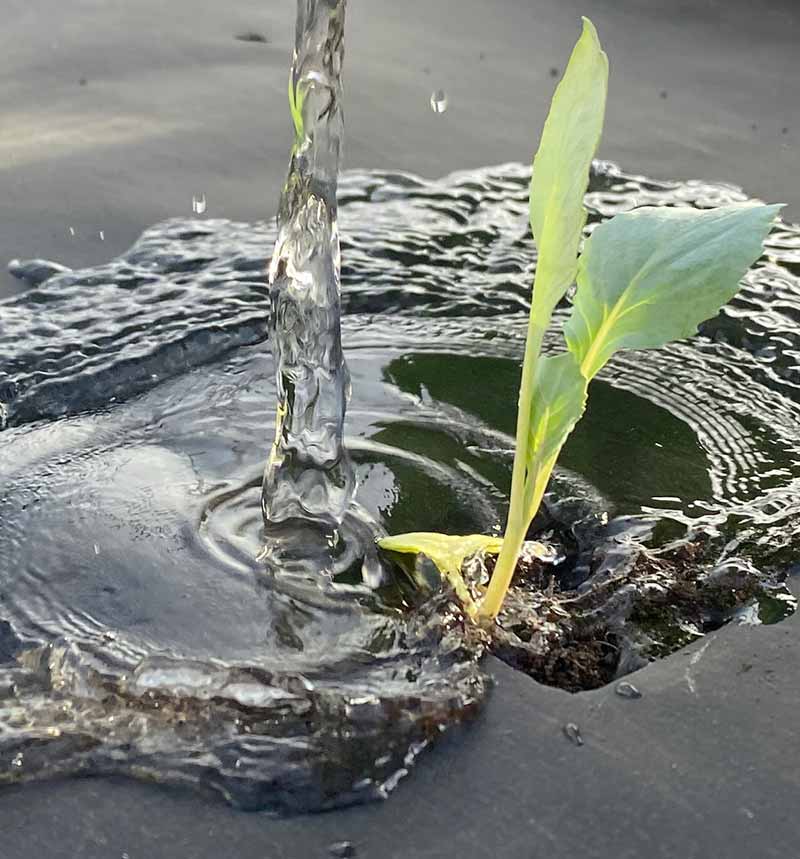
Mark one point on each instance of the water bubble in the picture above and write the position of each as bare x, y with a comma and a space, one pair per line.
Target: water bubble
342, 850
439, 101
8, 690
573, 733
627, 690
199, 204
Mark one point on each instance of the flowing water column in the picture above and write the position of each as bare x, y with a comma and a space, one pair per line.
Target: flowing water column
309, 476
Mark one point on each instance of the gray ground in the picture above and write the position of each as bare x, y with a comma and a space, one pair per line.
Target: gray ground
173, 105
706, 763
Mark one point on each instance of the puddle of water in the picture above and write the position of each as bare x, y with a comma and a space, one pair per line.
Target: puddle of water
139, 633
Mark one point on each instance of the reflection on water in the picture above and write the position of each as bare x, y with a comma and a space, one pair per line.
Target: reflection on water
138, 633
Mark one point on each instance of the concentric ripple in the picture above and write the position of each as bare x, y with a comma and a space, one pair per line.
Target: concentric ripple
139, 633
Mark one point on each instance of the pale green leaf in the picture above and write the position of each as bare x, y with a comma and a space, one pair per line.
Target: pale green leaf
559, 399
653, 275
561, 169
296, 99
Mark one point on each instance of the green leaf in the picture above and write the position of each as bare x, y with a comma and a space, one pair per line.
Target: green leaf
653, 275
561, 169
560, 177
296, 99
559, 400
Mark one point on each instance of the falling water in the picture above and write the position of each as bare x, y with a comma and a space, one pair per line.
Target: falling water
309, 481
309, 474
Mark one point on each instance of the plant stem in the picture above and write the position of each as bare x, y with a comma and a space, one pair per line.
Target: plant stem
517, 523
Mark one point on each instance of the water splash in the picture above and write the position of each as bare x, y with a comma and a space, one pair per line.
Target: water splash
309, 475
309, 480
135, 423
439, 101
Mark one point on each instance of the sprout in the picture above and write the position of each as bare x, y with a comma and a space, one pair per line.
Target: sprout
644, 278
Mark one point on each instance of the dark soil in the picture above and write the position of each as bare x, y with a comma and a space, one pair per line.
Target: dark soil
658, 602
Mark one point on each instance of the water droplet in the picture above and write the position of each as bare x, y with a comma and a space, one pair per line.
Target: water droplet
573, 733
439, 101
342, 850
96, 549
199, 204
627, 690
251, 36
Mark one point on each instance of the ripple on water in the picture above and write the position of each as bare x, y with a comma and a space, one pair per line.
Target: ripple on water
139, 634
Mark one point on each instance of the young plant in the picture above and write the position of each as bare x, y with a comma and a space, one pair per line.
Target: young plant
644, 278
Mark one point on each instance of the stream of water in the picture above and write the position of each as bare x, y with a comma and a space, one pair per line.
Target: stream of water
145, 630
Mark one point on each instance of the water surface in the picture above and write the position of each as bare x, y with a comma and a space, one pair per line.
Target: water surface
138, 632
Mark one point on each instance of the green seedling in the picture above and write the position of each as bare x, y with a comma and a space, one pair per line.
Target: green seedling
297, 97
644, 278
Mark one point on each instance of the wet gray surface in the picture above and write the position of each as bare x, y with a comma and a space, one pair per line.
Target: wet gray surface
174, 105
705, 763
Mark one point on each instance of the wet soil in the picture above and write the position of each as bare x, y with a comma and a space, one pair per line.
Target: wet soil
656, 603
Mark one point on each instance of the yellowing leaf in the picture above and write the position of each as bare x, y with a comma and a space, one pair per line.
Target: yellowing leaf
653, 275
561, 169
447, 552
